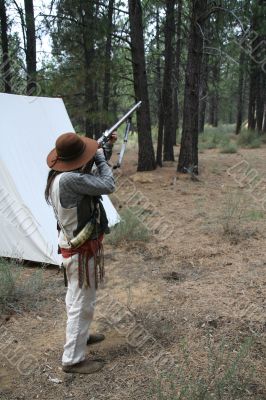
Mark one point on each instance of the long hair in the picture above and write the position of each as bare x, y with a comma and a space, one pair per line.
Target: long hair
51, 175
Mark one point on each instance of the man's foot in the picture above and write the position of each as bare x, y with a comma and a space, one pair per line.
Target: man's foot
96, 338
84, 367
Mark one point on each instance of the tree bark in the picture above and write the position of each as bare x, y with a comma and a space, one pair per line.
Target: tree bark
158, 60
31, 48
252, 96
264, 120
203, 91
239, 118
257, 74
264, 103
107, 69
214, 98
241, 76
146, 158
177, 72
5, 68
188, 157
86, 13
159, 160
214, 70
158, 92
167, 95
259, 101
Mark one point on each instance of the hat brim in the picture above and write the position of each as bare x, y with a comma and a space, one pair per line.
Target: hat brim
91, 147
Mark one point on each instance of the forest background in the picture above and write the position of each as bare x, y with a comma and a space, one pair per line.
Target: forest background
192, 63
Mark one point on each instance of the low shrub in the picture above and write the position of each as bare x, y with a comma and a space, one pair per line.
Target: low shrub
215, 137
229, 148
7, 281
226, 377
131, 228
16, 288
232, 214
249, 139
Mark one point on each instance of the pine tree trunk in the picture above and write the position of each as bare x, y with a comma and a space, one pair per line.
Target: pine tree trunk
159, 93
240, 93
5, 68
211, 109
177, 72
252, 96
214, 70
216, 93
241, 78
160, 136
107, 70
264, 102
146, 158
264, 120
86, 12
214, 96
31, 48
167, 95
203, 91
158, 61
259, 101
256, 92
188, 157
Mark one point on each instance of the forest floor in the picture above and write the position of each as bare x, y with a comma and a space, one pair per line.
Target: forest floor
184, 317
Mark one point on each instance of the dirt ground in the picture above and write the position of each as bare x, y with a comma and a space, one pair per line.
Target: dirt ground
184, 316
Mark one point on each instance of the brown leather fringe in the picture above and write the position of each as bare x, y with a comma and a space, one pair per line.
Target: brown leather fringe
84, 267
92, 248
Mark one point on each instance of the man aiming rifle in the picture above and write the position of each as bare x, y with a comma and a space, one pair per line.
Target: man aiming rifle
75, 194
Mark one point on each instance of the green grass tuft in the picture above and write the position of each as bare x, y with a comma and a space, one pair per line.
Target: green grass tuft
229, 148
213, 137
7, 282
130, 229
227, 377
255, 215
17, 290
249, 139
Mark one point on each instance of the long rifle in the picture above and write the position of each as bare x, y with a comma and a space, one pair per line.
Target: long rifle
108, 133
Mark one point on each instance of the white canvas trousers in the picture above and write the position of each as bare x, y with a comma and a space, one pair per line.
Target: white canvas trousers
80, 308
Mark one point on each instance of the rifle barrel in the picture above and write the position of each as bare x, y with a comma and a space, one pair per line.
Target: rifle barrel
105, 137
124, 118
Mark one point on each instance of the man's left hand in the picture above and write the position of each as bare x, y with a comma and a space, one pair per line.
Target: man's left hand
113, 138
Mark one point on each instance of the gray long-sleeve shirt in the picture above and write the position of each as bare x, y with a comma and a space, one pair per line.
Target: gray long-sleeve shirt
78, 192
75, 185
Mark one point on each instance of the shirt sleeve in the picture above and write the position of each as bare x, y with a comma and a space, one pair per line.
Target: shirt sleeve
90, 184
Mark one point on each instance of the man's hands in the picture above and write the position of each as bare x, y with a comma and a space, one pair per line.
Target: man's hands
111, 141
113, 138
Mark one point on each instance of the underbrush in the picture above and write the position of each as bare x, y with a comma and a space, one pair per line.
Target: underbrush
131, 228
223, 137
234, 216
213, 140
229, 148
236, 219
18, 290
224, 375
249, 139
218, 137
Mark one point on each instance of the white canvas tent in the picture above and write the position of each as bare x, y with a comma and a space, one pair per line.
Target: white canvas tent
29, 127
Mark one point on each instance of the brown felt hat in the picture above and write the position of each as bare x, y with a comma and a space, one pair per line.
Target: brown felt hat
71, 152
